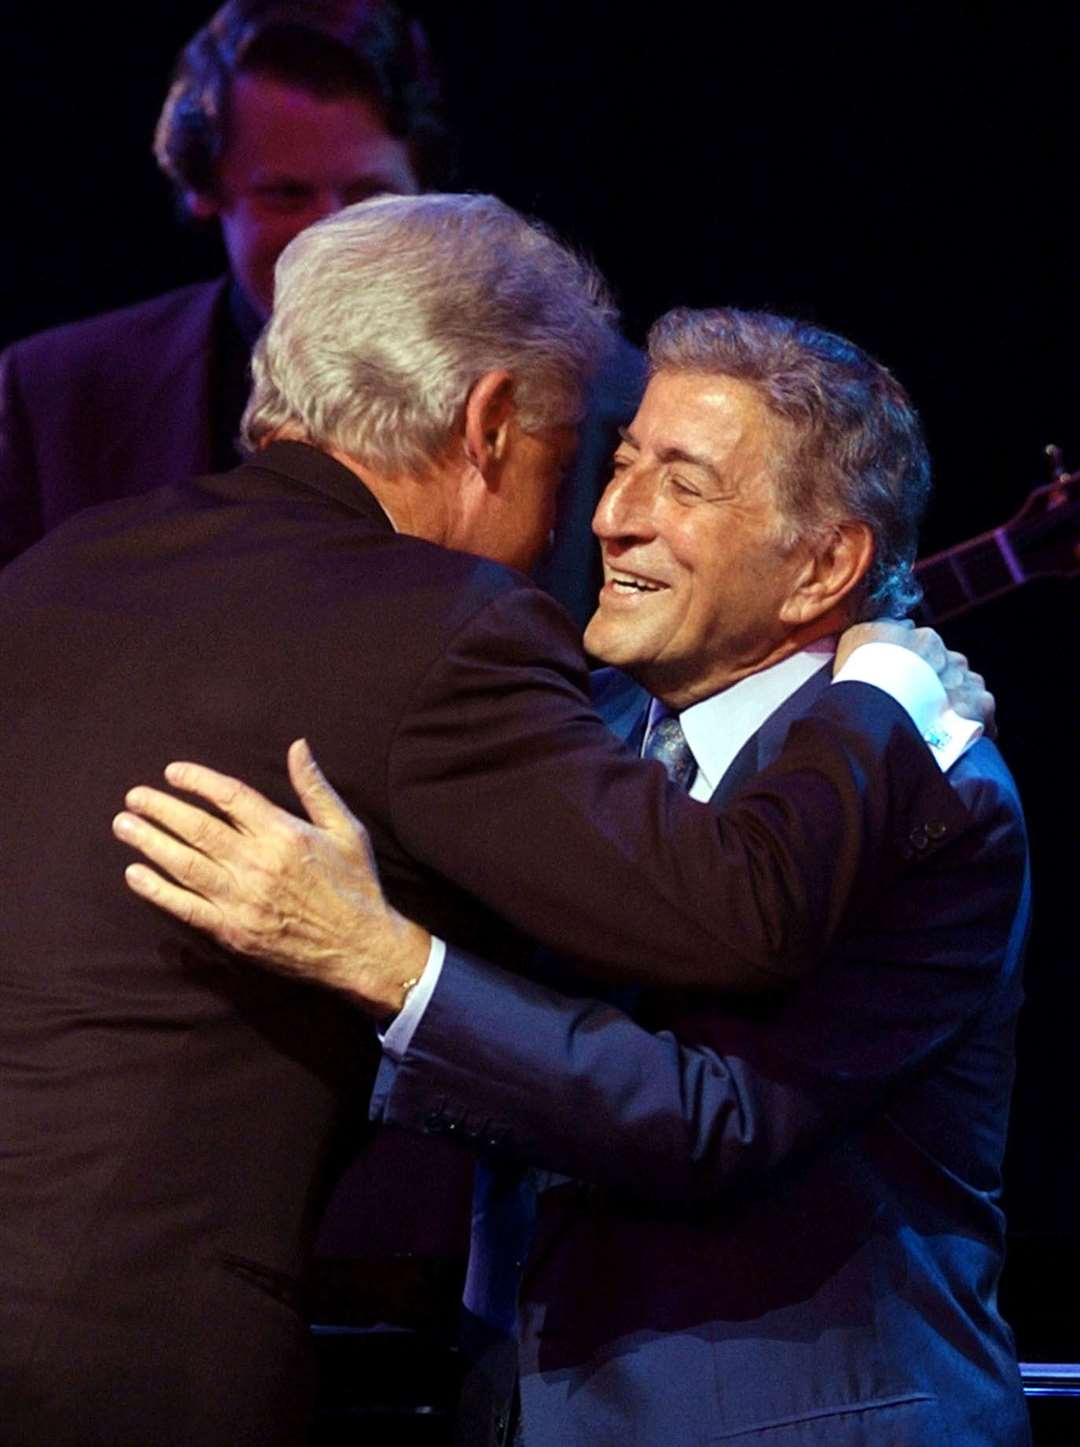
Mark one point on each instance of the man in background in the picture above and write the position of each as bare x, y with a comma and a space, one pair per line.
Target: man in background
775, 1218
280, 112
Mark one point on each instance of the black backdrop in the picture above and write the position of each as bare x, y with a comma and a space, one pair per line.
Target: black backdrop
901, 173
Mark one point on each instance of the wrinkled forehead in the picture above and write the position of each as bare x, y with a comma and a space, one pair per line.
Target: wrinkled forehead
711, 416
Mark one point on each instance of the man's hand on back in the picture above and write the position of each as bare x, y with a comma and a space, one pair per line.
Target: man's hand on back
303, 897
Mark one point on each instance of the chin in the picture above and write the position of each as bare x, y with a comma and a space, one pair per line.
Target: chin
603, 642
594, 635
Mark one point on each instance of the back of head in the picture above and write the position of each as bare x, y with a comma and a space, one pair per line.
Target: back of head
329, 48
387, 313
855, 450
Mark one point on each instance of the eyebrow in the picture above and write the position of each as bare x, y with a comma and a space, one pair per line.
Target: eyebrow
674, 454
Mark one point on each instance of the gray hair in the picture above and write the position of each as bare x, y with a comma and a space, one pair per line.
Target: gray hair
387, 313
856, 450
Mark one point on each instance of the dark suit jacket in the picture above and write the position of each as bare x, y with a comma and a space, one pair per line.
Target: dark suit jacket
109, 407
105, 408
172, 1120
776, 1221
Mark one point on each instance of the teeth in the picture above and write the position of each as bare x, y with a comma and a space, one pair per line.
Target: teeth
635, 585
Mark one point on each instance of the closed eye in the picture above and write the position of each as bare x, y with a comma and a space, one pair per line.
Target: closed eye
683, 491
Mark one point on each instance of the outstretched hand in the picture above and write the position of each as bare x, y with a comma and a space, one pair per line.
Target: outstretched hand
301, 896
966, 690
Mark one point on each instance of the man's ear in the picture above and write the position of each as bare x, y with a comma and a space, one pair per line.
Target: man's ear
201, 205
489, 409
837, 564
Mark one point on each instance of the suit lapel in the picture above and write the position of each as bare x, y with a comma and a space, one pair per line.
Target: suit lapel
763, 746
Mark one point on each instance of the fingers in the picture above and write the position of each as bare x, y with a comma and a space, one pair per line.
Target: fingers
956, 673
245, 806
973, 700
187, 907
323, 805
879, 630
928, 645
205, 832
187, 866
988, 713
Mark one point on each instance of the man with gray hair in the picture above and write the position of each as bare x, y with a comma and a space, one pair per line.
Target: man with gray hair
774, 1217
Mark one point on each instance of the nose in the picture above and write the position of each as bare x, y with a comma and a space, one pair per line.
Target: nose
625, 508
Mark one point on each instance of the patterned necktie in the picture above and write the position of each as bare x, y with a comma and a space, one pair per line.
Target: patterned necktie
667, 743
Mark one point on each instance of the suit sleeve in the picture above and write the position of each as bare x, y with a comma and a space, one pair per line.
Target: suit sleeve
503, 779
518, 1071
20, 506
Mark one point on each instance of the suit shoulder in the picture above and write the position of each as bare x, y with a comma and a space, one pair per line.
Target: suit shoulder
462, 592
129, 336
508, 594
982, 768
982, 780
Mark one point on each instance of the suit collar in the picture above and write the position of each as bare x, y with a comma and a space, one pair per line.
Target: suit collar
624, 707
307, 467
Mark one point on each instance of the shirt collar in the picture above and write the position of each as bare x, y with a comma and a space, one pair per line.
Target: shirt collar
718, 727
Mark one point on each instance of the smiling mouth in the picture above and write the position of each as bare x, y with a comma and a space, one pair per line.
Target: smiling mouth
626, 585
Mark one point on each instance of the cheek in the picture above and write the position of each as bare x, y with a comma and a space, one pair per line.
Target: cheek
256, 240
253, 246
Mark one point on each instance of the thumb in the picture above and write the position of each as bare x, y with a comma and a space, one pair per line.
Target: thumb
322, 804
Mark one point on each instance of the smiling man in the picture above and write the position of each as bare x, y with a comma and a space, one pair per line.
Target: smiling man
705, 582
776, 1218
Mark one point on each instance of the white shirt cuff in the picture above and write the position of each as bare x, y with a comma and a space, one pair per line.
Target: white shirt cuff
915, 686
397, 1036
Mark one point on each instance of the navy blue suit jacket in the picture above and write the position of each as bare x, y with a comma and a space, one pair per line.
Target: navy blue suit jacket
774, 1220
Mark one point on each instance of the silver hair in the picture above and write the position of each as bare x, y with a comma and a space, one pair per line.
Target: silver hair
387, 313
855, 448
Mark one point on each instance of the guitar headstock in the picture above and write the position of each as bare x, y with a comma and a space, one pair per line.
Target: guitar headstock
1045, 534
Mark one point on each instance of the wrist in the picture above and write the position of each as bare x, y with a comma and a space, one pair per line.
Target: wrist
401, 967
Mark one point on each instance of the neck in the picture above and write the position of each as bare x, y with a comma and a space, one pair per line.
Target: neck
419, 507
682, 695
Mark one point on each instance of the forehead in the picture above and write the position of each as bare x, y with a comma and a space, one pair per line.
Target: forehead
715, 423
712, 417
277, 126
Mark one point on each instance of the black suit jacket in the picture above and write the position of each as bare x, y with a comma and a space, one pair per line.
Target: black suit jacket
776, 1220
172, 1119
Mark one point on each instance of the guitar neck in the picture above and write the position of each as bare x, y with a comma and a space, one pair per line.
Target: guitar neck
959, 578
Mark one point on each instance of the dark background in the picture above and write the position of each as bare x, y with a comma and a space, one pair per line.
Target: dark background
904, 174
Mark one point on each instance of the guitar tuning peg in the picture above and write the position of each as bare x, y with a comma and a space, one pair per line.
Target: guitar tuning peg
1057, 461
